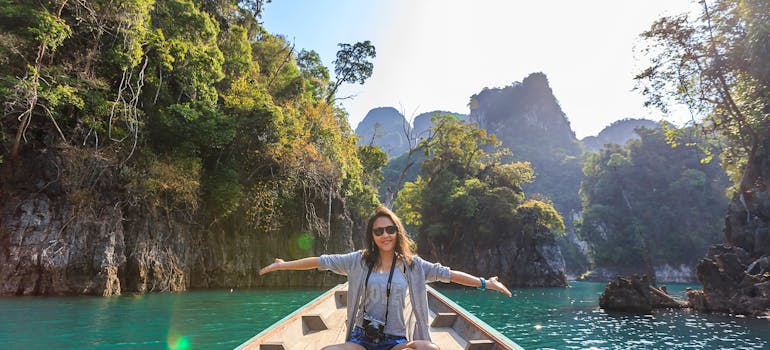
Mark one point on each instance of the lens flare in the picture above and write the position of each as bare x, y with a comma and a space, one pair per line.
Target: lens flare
305, 241
180, 343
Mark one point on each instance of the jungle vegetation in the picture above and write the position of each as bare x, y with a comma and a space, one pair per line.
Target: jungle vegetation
196, 105
466, 192
651, 198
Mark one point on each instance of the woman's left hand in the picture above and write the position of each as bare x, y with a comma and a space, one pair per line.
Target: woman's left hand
494, 284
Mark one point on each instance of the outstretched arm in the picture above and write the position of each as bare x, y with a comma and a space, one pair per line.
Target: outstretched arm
466, 279
301, 264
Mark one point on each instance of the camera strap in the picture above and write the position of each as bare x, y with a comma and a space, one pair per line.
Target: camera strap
387, 291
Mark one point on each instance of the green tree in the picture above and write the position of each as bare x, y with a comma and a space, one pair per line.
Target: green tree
352, 65
716, 64
466, 194
650, 202
314, 72
197, 105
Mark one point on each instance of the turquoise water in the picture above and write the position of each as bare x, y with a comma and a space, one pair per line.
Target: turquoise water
534, 318
570, 318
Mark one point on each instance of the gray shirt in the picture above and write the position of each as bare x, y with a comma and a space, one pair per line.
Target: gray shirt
377, 300
418, 274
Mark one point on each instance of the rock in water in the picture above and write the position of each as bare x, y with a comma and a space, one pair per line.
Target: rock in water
627, 294
731, 283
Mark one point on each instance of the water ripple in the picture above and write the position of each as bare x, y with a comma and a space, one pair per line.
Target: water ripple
571, 319
534, 318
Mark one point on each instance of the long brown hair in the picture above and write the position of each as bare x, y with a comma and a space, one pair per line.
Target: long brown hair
404, 245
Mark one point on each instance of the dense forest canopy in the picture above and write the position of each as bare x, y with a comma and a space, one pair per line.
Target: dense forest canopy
716, 64
650, 194
465, 192
196, 104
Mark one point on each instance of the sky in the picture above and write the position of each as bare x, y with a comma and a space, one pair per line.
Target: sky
435, 54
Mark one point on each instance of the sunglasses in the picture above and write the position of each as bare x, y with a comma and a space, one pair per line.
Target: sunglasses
391, 230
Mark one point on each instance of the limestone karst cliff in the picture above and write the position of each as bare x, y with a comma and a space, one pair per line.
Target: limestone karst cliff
69, 227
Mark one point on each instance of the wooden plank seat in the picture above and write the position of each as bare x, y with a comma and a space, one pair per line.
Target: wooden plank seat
313, 323
479, 345
444, 320
272, 346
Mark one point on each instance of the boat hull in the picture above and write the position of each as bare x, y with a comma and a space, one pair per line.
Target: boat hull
321, 322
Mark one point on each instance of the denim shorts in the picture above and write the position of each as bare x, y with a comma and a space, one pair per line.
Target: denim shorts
386, 343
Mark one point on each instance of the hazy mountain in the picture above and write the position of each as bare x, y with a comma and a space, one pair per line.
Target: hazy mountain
422, 123
527, 118
387, 128
619, 132
388, 125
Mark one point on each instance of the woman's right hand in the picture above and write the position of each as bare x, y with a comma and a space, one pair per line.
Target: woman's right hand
272, 267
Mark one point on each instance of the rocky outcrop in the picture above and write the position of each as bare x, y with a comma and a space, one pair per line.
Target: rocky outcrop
527, 118
736, 275
634, 294
68, 227
518, 263
628, 294
53, 239
729, 285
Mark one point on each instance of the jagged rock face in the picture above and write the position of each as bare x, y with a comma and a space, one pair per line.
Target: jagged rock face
55, 240
67, 228
627, 294
518, 263
524, 112
527, 119
158, 251
387, 128
736, 276
727, 286
748, 217
748, 223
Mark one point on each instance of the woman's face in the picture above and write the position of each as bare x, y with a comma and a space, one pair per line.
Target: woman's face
386, 242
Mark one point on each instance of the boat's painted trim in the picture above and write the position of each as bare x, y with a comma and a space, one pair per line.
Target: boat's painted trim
483, 326
297, 313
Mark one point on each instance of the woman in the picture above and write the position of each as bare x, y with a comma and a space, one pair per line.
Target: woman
382, 275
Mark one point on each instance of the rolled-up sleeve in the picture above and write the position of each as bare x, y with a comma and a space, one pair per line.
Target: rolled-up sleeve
435, 272
338, 263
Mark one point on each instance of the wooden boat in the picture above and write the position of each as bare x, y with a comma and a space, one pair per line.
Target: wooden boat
321, 322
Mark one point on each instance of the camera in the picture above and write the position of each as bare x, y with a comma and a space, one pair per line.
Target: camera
373, 329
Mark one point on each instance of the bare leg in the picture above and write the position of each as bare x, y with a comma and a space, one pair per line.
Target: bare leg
417, 345
345, 346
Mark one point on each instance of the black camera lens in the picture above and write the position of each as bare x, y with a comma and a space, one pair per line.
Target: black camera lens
372, 333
